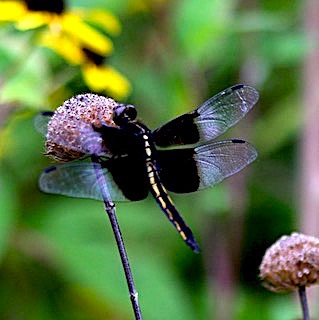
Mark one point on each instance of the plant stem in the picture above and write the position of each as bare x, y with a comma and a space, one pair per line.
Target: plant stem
110, 210
304, 303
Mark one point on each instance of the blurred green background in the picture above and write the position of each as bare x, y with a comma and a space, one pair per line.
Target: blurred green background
58, 258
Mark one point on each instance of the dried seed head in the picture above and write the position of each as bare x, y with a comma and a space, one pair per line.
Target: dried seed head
70, 133
290, 263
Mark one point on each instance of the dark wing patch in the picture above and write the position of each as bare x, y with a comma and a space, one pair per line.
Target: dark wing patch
178, 170
189, 170
210, 119
179, 131
129, 174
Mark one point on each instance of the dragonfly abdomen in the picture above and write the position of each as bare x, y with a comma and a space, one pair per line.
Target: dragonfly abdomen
161, 196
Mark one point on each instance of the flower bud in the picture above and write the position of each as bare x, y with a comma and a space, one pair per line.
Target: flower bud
71, 133
290, 263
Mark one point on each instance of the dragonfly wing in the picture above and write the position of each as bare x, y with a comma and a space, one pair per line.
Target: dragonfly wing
224, 110
78, 180
41, 121
219, 160
210, 119
192, 169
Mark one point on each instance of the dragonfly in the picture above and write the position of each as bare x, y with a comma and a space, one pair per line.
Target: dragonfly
180, 156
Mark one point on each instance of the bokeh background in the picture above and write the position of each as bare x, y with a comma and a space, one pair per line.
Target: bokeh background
58, 258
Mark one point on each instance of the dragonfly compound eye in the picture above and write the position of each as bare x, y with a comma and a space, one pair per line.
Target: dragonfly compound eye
124, 113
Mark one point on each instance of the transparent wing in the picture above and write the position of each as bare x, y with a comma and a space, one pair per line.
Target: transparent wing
219, 160
78, 180
224, 110
210, 119
41, 121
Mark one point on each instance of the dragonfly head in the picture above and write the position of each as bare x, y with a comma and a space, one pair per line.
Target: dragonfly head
123, 114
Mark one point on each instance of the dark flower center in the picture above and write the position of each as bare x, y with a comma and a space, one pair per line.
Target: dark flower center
94, 57
54, 6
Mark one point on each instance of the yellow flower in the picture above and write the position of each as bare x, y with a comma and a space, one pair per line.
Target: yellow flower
12, 10
68, 33
63, 46
100, 78
32, 14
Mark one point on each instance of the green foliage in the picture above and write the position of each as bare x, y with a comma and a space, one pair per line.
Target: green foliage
8, 213
201, 30
23, 69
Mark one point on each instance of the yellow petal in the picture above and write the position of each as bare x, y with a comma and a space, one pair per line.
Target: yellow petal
106, 78
11, 10
33, 20
86, 35
106, 20
63, 46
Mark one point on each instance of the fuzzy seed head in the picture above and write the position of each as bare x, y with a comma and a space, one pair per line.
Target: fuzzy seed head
70, 133
290, 263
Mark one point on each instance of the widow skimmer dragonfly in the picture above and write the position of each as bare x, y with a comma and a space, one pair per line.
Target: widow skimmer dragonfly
139, 161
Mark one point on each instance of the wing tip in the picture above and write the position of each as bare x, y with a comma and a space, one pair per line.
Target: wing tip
238, 86
253, 92
251, 150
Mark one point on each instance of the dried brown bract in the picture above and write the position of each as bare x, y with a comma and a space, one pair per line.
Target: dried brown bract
70, 133
290, 263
